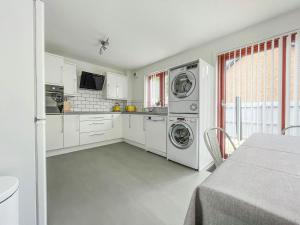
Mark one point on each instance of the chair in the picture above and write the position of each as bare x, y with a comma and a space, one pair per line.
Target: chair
287, 128
212, 143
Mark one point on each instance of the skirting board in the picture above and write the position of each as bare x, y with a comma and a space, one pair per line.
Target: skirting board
135, 144
81, 147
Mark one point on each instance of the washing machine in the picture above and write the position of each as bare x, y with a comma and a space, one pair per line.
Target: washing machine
182, 141
184, 88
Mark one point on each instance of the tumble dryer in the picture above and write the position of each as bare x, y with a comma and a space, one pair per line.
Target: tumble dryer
184, 88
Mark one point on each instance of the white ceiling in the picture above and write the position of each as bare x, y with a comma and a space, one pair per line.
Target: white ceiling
144, 31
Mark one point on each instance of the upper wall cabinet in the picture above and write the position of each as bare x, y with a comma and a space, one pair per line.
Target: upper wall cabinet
69, 79
116, 86
54, 69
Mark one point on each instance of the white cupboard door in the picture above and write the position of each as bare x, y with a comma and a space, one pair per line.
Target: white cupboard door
126, 126
156, 134
122, 85
117, 126
54, 69
137, 129
54, 132
69, 79
111, 86
125, 87
71, 130
116, 86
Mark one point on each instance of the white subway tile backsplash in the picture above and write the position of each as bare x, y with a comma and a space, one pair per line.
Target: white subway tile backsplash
90, 100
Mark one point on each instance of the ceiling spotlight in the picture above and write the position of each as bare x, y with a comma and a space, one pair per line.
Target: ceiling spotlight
104, 45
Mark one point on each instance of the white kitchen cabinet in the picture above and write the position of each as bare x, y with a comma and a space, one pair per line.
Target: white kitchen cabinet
117, 126
156, 134
54, 69
122, 87
95, 128
54, 132
126, 126
134, 128
69, 79
71, 130
116, 86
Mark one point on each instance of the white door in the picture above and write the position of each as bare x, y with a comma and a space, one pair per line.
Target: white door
71, 130
54, 132
70, 79
54, 69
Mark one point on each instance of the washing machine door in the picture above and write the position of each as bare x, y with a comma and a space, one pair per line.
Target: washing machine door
183, 84
181, 135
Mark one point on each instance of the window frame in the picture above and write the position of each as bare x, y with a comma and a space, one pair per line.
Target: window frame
162, 89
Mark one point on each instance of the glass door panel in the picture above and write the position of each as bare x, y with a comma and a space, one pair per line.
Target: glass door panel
251, 92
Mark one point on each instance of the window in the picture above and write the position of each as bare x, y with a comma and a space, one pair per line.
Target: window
156, 90
259, 88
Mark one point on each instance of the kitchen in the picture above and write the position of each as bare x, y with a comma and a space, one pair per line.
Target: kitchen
90, 119
150, 112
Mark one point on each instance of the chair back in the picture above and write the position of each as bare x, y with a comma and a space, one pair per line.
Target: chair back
212, 143
283, 131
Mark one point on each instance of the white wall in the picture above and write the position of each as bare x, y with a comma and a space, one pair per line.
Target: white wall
209, 51
17, 138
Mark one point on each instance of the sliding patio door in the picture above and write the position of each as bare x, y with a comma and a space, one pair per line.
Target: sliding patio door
259, 89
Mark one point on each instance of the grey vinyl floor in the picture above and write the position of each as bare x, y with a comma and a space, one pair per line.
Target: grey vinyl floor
118, 184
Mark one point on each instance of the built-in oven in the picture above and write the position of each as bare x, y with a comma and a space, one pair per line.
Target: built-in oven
54, 99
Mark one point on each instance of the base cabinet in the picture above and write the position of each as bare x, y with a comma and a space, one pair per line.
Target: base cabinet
100, 127
134, 128
54, 132
71, 131
117, 127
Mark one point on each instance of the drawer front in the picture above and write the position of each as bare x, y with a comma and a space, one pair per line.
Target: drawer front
94, 117
96, 125
92, 137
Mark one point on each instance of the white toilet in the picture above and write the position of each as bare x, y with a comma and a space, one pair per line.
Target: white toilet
9, 201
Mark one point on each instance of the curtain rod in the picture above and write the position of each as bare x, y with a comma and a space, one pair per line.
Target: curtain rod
258, 42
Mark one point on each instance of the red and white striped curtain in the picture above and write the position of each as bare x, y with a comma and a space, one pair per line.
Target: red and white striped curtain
156, 90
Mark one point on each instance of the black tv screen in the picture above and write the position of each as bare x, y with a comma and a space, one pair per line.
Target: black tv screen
91, 81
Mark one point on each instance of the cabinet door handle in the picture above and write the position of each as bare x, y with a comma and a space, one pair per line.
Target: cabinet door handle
96, 134
95, 123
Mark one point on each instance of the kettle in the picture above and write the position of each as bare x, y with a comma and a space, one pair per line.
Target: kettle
116, 108
130, 108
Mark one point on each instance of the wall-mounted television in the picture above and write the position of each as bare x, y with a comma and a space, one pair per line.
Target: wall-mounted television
91, 81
